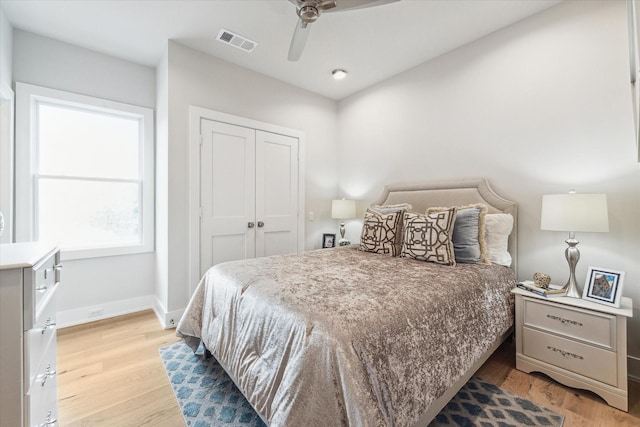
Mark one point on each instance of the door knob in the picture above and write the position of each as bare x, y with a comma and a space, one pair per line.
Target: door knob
260, 224
251, 224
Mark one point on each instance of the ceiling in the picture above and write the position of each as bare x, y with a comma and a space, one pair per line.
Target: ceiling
372, 44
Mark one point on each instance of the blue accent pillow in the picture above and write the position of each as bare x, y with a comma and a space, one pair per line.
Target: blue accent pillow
468, 234
465, 236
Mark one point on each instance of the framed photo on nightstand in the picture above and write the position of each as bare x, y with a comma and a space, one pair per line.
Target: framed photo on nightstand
328, 240
603, 286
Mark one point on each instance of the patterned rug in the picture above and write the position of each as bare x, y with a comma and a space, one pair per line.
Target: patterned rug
208, 398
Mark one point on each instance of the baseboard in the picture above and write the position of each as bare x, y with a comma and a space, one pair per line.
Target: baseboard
168, 319
107, 310
633, 368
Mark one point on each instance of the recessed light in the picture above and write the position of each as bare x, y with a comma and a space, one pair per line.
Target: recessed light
339, 74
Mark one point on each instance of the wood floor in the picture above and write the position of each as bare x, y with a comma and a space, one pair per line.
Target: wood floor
110, 374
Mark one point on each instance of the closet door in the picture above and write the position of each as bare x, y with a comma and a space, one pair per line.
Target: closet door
276, 194
248, 193
227, 193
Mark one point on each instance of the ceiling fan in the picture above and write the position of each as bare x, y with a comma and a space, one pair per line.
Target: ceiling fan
310, 10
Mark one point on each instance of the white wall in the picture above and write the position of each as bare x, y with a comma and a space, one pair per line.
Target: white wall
204, 81
121, 283
162, 187
6, 127
6, 49
540, 107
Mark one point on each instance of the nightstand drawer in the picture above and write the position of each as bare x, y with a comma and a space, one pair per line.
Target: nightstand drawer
587, 326
589, 361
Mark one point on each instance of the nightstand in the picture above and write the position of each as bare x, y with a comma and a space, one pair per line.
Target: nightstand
576, 342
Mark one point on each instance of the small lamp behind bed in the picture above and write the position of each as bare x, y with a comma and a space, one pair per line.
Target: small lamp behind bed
343, 209
574, 212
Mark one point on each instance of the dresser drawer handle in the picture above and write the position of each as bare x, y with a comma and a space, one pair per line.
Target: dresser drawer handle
48, 324
41, 288
48, 373
50, 422
560, 319
56, 267
565, 353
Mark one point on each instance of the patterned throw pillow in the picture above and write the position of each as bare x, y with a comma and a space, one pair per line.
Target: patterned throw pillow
428, 237
382, 233
469, 233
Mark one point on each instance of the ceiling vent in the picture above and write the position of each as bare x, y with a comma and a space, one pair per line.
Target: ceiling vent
236, 40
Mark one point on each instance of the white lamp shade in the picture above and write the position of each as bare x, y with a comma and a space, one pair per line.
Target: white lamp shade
343, 209
574, 212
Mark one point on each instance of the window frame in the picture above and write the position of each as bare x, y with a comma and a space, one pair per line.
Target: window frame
28, 97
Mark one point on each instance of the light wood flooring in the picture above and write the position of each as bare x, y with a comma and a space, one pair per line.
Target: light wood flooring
110, 375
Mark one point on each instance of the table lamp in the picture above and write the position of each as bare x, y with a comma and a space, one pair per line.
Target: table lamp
343, 209
574, 212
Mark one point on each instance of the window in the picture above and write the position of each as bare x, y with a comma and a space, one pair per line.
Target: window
84, 173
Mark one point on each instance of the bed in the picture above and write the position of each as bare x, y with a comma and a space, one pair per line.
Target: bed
342, 336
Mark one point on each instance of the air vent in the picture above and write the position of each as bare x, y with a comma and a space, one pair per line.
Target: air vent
236, 40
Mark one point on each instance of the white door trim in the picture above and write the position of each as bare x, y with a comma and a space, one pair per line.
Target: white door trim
195, 115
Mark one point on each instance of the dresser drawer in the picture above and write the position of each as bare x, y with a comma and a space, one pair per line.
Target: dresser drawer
38, 339
46, 364
587, 326
583, 359
41, 395
42, 405
39, 284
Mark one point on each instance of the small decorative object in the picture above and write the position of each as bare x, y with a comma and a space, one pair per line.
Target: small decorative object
541, 280
574, 212
328, 240
343, 209
603, 286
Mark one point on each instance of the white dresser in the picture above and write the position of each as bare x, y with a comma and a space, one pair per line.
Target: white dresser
29, 279
578, 343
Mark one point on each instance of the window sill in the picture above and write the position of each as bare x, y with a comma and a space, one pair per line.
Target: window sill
86, 253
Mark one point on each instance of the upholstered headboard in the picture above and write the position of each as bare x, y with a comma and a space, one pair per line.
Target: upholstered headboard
422, 195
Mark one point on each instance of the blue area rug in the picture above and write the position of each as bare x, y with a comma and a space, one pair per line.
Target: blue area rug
208, 398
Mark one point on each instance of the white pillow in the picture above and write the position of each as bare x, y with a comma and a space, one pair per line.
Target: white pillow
497, 230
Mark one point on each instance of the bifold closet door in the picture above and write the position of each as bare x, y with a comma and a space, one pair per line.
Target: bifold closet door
227, 193
248, 193
276, 194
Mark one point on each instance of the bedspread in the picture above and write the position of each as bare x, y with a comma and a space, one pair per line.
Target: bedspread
343, 337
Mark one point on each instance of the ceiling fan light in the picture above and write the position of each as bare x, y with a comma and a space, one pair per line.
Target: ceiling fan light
339, 74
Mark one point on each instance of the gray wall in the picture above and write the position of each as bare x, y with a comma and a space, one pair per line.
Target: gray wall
119, 283
540, 107
204, 81
6, 49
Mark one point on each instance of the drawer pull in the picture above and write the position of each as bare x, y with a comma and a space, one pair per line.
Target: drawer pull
48, 373
41, 288
49, 422
563, 320
565, 353
48, 324
56, 267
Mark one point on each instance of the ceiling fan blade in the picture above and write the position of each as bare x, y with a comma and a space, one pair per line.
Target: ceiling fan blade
326, 5
298, 41
342, 5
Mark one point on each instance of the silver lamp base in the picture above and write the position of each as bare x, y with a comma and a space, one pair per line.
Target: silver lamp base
573, 255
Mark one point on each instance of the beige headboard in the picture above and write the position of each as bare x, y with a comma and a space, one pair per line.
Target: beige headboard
422, 195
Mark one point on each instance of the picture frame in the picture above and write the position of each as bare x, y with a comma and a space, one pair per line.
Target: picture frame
328, 240
603, 286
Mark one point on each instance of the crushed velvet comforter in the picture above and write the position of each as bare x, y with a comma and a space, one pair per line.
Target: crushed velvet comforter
343, 337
